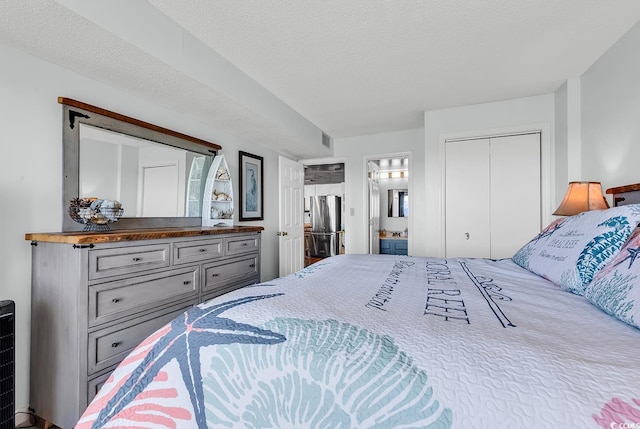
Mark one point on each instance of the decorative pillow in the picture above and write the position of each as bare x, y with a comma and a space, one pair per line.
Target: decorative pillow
616, 289
570, 251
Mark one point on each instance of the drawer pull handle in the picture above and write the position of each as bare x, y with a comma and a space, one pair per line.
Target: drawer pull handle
203, 250
115, 300
215, 275
186, 282
114, 345
252, 266
245, 244
137, 259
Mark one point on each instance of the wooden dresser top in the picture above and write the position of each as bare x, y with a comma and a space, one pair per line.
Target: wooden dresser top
135, 234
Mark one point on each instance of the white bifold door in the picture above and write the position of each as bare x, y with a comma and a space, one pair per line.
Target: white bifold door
492, 193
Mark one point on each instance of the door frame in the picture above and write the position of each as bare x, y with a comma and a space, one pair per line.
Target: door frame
369, 204
547, 166
365, 190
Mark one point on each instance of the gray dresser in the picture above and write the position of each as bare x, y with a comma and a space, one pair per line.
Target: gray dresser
96, 296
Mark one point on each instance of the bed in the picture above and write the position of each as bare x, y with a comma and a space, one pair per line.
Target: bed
383, 341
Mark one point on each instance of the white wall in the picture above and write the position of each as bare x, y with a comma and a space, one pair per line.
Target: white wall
99, 170
567, 136
611, 114
355, 150
482, 119
31, 171
561, 106
129, 162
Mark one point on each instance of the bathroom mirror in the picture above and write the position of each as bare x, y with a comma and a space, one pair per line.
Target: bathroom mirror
398, 202
157, 174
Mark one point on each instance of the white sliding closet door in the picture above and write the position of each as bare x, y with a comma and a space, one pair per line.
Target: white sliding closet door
515, 193
492, 195
468, 199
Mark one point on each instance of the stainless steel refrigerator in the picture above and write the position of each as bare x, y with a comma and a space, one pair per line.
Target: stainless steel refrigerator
325, 225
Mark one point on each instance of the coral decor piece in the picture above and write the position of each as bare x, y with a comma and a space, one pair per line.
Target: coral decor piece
222, 174
95, 213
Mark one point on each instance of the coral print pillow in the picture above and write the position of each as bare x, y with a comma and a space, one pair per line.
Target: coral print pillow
571, 251
616, 289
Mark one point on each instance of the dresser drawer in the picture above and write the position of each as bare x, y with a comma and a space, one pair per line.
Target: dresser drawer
223, 273
125, 260
242, 244
228, 287
93, 386
109, 346
108, 301
194, 251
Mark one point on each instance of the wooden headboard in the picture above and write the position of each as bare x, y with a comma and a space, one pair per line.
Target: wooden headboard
623, 195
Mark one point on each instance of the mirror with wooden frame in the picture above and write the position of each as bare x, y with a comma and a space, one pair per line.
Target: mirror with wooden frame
157, 174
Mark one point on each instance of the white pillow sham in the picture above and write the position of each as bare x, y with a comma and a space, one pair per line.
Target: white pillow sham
571, 251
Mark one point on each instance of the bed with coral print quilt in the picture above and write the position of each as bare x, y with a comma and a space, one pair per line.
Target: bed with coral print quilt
381, 341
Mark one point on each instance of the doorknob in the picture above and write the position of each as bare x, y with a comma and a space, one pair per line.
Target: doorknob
282, 234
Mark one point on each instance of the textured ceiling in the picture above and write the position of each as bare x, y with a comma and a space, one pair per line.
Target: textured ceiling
350, 67
365, 66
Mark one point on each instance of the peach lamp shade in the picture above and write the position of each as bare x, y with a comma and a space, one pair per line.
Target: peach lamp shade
582, 197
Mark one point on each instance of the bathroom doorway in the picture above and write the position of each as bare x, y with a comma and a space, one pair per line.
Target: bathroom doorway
389, 203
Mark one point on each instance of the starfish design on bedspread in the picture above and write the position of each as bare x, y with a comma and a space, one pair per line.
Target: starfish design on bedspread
196, 328
632, 256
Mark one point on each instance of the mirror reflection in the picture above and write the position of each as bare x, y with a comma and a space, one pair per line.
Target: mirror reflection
398, 202
150, 179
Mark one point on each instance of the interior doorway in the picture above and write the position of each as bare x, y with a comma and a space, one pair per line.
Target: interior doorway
389, 204
324, 209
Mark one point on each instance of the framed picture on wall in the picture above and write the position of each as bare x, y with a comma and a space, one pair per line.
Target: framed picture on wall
251, 187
